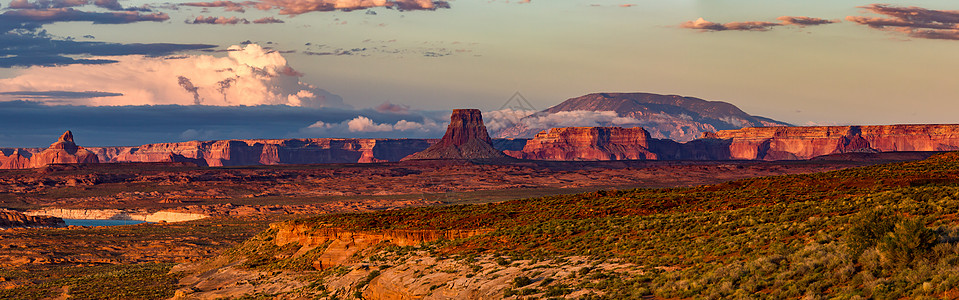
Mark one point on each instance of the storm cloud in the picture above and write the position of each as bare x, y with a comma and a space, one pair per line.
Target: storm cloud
39, 125
248, 75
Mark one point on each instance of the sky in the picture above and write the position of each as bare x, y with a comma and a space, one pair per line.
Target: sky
140, 71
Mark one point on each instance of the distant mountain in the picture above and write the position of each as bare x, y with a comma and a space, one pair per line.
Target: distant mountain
663, 116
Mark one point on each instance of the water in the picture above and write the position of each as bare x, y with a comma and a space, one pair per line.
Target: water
90, 222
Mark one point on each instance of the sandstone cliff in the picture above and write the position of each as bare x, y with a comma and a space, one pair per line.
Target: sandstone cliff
11, 219
590, 143
663, 116
466, 138
783, 143
64, 151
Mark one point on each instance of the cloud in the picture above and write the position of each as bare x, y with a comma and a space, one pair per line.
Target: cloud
108, 4
52, 15
364, 125
804, 21
504, 118
39, 49
267, 20
249, 75
296, 7
578, 118
226, 5
38, 125
218, 20
59, 95
913, 21
24, 4
388, 107
703, 25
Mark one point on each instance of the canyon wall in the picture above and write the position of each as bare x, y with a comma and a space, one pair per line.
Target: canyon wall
116, 214
589, 143
63, 151
341, 245
14, 219
755, 143
790, 143
238, 152
563, 144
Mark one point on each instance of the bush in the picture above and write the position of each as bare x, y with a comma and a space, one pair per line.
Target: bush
909, 241
521, 281
868, 228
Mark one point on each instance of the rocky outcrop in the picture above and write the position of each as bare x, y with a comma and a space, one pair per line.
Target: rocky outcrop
117, 214
64, 151
756, 143
590, 143
787, 143
275, 151
13, 219
466, 138
663, 116
16, 159
341, 245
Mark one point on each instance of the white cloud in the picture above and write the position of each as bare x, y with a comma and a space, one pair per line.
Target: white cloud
363, 124
579, 118
499, 119
249, 75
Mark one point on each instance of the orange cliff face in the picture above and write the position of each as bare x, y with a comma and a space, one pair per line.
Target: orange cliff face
779, 143
589, 143
273, 152
64, 151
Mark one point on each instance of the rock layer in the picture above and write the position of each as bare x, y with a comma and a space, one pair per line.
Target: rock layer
787, 143
466, 138
12, 219
64, 151
341, 245
590, 143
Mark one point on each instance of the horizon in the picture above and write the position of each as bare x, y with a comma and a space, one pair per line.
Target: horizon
816, 63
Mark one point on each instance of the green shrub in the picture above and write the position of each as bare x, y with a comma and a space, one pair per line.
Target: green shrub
521, 281
868, 228
909, 241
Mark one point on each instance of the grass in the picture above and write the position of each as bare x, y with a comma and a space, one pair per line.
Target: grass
140, 281
772, 237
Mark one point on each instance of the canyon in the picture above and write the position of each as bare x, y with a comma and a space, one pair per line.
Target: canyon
470, 141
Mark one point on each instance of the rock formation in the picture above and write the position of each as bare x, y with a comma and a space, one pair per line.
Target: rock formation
590, 143
466, 138
11, 219
64, 151
779, 143
341, 245
15, 160
274, 152
663, 116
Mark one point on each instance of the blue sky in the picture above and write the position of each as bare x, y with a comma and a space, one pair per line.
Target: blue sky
478, 53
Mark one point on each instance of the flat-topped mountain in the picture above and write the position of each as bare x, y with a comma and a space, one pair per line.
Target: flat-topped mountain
779, 143
590, 143
466, 138
663, 116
